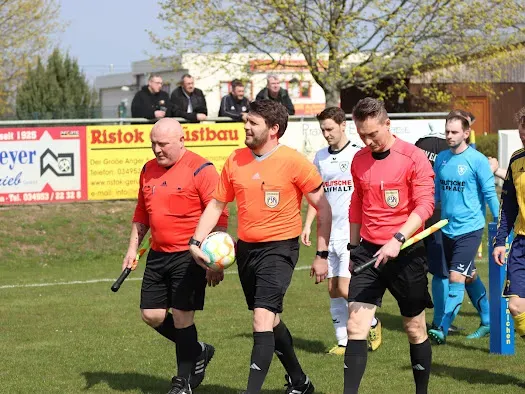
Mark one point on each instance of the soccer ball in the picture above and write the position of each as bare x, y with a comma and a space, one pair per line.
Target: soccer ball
220, 248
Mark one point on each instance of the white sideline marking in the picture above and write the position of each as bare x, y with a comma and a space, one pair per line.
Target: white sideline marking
84, 282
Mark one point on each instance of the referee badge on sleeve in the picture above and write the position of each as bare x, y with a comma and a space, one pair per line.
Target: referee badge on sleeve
271, 199
392, 198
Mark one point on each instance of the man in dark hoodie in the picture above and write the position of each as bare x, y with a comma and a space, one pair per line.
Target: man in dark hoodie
151, 102
273, 91
188, 102
235, 105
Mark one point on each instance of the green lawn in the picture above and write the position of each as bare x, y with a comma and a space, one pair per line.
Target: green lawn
82, 338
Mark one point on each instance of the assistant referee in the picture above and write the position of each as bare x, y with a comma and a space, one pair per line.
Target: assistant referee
393, 197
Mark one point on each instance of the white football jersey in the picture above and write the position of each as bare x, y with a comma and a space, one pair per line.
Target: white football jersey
334, 168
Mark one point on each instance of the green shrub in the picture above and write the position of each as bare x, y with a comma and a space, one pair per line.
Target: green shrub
487, 144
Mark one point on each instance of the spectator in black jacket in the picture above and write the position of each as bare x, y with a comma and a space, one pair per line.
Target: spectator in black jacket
273, 91
235, 105
188, 102
151, 102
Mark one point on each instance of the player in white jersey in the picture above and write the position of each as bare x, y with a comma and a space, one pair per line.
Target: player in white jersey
334, 164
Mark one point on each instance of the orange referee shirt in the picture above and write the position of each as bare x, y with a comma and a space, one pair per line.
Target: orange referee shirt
171, 201
268, 190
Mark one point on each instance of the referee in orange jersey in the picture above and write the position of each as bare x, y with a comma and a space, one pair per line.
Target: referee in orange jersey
174, 189
268, 181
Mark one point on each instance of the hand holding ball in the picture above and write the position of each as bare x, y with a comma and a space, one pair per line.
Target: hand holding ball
220, 248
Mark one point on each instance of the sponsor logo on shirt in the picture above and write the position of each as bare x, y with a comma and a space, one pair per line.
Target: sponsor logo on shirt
452, 185
338, 185
431, 156
343, 166
392, 198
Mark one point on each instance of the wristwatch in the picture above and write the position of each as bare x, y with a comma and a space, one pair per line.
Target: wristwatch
349, 246
193, 241
400, 237
322, 254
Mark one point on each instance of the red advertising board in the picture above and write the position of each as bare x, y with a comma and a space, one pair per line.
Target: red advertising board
42, 165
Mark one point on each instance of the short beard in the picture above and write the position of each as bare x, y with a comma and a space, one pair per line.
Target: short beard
257, 142
455, 146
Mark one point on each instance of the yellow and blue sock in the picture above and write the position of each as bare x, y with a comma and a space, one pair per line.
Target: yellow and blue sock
456, 293
478, 295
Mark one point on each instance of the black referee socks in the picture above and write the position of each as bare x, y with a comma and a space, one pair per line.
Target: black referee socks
262, 353
421, 358
167, 328
285, 352
355, 363
188, 349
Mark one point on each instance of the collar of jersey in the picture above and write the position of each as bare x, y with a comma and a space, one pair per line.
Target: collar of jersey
335, 152
261, 158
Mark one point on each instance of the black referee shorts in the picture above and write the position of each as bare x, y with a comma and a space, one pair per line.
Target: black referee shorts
172, 280
265, 271
405, 277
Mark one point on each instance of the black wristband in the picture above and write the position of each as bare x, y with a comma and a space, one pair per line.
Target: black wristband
322, 254
349, 246
193, 241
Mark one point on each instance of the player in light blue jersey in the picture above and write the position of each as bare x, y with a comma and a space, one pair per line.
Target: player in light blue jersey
464, 182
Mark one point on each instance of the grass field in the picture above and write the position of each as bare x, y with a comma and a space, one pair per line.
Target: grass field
79, 337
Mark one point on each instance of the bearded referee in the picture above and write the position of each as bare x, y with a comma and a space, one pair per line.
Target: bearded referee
393, 197
268, 181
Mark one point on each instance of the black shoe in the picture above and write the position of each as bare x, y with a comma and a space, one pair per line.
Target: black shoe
454, 329
305, 388
179, 386
199, 368
451, 330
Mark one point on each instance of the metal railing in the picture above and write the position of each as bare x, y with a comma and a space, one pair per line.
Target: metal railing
211, 119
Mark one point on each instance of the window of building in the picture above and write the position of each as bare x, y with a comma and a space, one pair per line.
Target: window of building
293, 88
225, 88
298, 89
305, 89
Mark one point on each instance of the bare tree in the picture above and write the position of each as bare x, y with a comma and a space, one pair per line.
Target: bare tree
348, 43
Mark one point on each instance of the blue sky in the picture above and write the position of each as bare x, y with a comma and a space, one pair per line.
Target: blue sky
104, 32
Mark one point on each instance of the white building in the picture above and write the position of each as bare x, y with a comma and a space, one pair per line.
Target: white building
213, 75
115, 89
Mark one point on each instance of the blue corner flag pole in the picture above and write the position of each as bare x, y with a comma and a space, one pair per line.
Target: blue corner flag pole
501, 323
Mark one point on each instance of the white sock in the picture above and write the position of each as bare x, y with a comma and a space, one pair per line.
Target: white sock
374, 322
339, 312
